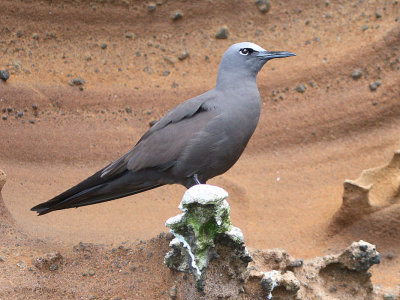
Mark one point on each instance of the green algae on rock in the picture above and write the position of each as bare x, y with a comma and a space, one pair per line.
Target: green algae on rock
204, 222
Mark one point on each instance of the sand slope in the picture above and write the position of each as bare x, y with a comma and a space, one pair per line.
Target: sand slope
288, 184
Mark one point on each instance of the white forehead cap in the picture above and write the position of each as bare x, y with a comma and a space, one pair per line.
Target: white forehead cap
251, 45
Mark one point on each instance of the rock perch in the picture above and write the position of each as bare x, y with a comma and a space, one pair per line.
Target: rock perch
205, 221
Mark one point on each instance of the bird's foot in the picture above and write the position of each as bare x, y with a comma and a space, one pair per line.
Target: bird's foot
196, 179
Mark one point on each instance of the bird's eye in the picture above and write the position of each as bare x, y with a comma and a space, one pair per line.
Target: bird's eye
246, 51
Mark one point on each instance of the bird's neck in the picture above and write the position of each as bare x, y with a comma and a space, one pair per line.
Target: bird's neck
235, 80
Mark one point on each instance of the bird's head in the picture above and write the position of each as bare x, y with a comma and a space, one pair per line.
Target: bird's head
247, 59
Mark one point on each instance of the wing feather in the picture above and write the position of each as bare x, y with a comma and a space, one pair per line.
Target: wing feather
162, 144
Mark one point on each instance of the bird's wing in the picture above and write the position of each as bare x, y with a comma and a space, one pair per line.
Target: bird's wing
162, 144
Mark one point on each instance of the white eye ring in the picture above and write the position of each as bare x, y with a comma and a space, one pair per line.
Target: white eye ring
245, 51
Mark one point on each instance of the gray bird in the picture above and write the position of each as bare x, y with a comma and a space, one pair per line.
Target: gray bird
199, 139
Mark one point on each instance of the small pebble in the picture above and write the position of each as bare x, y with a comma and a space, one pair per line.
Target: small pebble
373, 86
263, 5
9, 109
173, 292
390, 256
77, 81
35, 107
378, 15
32, 121
356, 74
296, 263
152, 6
4, 75
177, 15
103, 46
222, 33
92, 272
129, 35
4, 117
183, 55
35, 36
364, 27
301, 88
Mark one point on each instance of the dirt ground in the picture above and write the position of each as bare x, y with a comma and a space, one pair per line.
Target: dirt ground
287, 185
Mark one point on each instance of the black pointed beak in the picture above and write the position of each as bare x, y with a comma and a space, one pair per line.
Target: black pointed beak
267, 55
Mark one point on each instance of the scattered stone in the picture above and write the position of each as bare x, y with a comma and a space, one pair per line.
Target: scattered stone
387, 296
129, 35
378, 15
263, 5
151, 7
296, 263
21, 264
373, 86
4, 117
258, 33
103, 46
301, 88
177, 15
20, 114
35, 107
222, 33
171, 60
173, 292
128, 110
4, 75
390, 256
77, 81
1, 259
356, 74
9, 109
32, 121
184, 54
166, 73
91, 272
19, 33
152, 123
48, 261
364, 27
35, 36
360, 256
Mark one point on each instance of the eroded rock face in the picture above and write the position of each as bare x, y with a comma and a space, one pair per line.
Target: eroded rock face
3, 178
375, 195
204, 223
275, 274
5, 216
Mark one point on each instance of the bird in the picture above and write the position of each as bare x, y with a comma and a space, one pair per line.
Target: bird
199, 139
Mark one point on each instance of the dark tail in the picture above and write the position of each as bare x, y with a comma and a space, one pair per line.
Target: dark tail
95, 189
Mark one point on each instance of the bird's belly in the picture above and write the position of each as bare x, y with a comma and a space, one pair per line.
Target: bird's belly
215, 154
